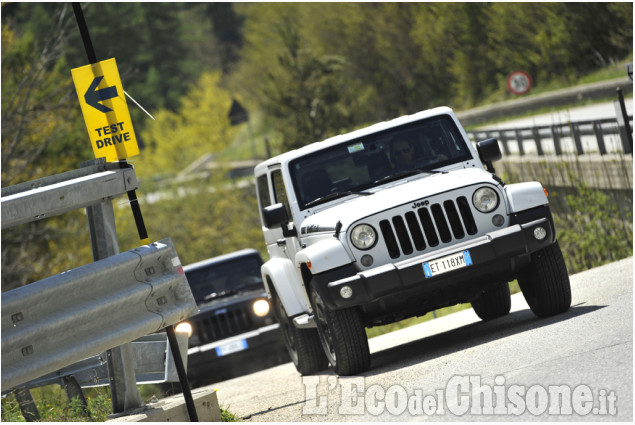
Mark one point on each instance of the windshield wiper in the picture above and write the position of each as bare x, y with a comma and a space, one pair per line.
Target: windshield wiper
335, 195
407, 173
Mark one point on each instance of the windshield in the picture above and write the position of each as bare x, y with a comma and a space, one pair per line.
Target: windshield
226, 278
359, 164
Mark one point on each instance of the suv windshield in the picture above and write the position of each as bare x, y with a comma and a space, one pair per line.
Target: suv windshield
226, 278
356, 165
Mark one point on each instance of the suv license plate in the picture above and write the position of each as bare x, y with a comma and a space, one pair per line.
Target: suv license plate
231, 347
448, 263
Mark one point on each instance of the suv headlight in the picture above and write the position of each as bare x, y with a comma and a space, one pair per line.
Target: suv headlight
184, 327
260, 307
363, 236
485, 199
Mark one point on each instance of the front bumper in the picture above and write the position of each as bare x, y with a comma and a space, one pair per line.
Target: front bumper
238, 355
497, 256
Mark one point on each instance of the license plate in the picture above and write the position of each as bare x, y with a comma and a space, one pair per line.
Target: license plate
447, 264
231, 347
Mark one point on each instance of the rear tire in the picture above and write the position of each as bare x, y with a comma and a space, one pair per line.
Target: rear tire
493, 303
303, 345
545, 283
343, 337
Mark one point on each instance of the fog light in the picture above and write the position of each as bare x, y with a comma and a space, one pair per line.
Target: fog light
367, 260
540, 233
346, 292
498, 220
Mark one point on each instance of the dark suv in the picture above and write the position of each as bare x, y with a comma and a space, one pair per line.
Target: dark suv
235, 332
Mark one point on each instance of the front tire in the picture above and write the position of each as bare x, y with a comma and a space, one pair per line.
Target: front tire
545, 283
303, 345
343, 337
493, 303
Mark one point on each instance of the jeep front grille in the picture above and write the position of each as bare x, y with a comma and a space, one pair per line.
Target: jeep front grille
224, 324
427, 227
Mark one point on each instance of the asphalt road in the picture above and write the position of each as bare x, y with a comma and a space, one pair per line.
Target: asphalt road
577, 366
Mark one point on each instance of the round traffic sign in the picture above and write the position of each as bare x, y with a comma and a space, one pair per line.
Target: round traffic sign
519, 82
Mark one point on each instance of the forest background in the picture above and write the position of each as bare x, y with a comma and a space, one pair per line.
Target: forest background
302, 71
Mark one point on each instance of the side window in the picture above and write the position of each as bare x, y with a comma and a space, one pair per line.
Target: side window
263, 191
279, 191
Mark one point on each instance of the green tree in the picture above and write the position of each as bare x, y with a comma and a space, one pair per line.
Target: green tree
160, 47
621, 35
384, 63
203, 212
558, 41
36, 93
42, 134
300, 89
199, 127
303, 95
403, 57
155, 63
204, 218
227, 28
470, 67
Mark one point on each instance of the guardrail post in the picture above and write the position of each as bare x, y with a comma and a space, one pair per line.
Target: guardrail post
536, 133
74, 390
103, 235
599, 137
519, 138
101, 223
556, 139
575, 132
27, 405
503, 140
624, 125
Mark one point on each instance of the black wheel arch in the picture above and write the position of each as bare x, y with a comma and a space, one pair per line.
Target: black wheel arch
320, 281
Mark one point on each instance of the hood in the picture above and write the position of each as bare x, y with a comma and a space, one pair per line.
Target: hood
230, 300
389, 196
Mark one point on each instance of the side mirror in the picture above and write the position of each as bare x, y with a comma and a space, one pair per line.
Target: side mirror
489, 151
275, 215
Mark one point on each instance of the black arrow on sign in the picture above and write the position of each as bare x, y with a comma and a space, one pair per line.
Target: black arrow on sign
93, 96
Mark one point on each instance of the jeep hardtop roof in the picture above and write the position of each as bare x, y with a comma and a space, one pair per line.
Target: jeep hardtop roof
375, 128
247, 252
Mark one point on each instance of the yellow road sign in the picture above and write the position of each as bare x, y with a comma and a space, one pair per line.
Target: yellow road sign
105, 110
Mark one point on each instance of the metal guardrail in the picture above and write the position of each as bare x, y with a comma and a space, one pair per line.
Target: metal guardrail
599, 136
560, 98
66, 318
54, 195
152, 357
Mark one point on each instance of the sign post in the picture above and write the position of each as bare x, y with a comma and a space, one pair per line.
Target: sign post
110, 130
103, 104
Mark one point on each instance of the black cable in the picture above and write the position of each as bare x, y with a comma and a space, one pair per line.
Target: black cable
83, 30
141, 228
180, 369
136, 209
138, 218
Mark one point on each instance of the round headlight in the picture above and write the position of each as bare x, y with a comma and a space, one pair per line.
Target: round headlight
184, 327
485, 199
363, 236
260, 308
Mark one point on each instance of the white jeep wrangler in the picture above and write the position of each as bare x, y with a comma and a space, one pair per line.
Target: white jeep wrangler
393, 221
